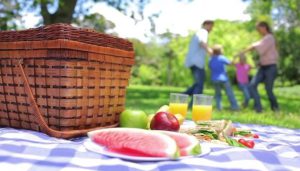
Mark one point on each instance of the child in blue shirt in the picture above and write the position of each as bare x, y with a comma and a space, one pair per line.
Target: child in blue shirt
217, 65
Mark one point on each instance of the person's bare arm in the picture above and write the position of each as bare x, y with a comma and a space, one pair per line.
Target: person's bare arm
205, 46
232, 63
248, 49
234, 60
251, 67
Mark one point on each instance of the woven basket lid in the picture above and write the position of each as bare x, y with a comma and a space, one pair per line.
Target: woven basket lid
68, 32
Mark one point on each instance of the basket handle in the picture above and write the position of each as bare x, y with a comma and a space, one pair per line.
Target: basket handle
40, 119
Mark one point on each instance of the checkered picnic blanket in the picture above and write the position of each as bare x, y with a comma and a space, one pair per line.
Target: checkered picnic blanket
277, 149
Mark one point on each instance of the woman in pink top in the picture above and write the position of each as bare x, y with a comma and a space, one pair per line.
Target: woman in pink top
242, 75
267, 72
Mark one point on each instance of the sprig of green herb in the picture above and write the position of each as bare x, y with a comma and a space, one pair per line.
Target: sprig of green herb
242, 133
233, 142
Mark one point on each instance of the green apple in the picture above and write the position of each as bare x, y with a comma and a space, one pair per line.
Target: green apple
133, 119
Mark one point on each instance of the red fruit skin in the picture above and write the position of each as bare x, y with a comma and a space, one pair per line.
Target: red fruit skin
164, 121
250, 144
242, 141
255, 136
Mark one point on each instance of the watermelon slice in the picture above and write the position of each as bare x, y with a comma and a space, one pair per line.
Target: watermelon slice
188, 144
137, 142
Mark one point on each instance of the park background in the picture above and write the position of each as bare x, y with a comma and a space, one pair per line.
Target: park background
161, 31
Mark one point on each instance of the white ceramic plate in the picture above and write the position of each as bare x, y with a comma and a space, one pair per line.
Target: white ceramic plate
91, 146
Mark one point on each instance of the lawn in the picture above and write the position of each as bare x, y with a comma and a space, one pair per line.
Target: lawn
150, 98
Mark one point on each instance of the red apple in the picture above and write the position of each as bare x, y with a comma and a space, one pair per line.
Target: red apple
164, 121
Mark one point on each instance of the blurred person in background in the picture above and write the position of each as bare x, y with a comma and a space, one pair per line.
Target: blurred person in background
242, 75
267, 72
219, 77
196, 57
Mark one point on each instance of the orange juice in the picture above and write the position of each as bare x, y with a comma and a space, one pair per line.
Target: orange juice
180, 108
201, 112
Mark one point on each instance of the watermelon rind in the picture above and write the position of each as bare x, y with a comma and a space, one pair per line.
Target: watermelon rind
193, 149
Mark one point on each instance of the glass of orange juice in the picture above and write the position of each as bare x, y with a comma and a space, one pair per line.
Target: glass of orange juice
178, 104
202, 107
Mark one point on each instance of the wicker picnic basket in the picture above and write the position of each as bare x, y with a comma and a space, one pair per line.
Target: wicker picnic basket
61, 80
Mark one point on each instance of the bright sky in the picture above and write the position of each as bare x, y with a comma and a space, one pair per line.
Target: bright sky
177, 17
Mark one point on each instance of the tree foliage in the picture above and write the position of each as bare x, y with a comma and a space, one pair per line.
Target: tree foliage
95, 21
9, 9
65, 11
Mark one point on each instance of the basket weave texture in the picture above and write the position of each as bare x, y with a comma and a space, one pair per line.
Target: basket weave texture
62, 80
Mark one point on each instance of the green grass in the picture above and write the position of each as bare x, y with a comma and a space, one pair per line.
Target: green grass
150, 98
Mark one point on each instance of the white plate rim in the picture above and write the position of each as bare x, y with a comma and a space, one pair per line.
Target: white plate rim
93, 147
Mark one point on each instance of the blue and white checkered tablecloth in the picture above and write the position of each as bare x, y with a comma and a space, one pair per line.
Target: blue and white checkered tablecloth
277, 149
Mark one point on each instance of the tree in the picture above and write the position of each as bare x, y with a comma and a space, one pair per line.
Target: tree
260, 9
96, 21
283, 12
67, 11
169, 55
149, 63
63, 11
9, 9
63, 14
